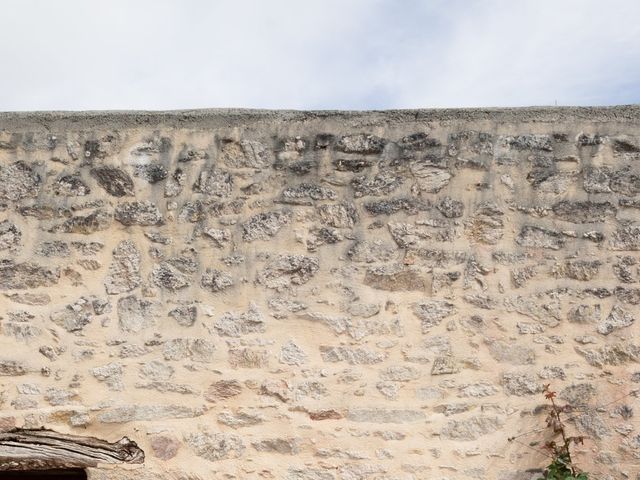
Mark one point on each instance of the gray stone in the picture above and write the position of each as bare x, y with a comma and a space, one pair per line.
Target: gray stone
471, 428
285, 304
292, 354
27, 275
362, 143
87, 248
535, 307
584, 314
382, 184
236, 324
408, 205
19, 181
432, 312
29, 298
445, 365
527, 328
630, 296
219, 237
430, 179
363, 310
19, 325
520, 384
578, 394
156, 370
417, 142
383, 415
486, 226
10, 236
548, 180
75, 316
215, 446
12, 368
169, 277
322, 236
148, 413
115, 181
400, 373
583, 270
355, 165
584, 212
548, 372
479, 300
591, 423
245, 154
626, 269
408, 235
305, 193
283, 446
537, 237
371, 251
477, 390
353, 356
124, 272
614, 354
93, 222
216, 280
287, 270
248, 358
618, 318
395, 277
173, 187
239, 419
596, 179
520, 276
214, 182
151, 172
625, 181
135, 314
306, 473
195, 349
265, 225
144, 214
164, 387
449, 409
626, 238
526, 142
222, 390
338, 215
55, 248
450, 208
512, 353
184, 315
389, 390
111, 374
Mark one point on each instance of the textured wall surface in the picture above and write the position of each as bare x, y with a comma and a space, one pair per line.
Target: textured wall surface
323, 295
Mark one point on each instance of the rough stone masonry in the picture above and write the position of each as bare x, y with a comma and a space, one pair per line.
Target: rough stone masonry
324, 295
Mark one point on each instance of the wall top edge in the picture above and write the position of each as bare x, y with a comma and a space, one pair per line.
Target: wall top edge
205, 117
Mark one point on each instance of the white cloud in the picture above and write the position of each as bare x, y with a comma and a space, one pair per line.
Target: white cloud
356, 54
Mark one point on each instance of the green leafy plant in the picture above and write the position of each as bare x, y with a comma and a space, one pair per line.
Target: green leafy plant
561, 466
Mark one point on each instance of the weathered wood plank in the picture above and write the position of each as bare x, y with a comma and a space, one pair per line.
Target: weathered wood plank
40, 449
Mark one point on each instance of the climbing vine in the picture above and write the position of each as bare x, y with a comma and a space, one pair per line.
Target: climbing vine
562, 466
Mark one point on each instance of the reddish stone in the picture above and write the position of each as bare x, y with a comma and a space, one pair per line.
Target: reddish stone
165, 447
325, 415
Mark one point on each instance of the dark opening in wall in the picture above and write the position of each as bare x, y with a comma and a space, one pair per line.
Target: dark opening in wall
74, 474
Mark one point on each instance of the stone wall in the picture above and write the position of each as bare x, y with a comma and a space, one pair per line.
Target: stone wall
323, 295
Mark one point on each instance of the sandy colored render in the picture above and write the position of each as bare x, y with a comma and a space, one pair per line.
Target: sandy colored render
323, 295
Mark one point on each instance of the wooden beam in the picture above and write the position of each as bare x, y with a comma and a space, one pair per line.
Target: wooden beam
42, 449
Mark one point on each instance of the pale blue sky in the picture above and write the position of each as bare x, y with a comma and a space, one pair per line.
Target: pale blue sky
317, 54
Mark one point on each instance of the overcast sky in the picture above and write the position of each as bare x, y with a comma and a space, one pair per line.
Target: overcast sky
317, 54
